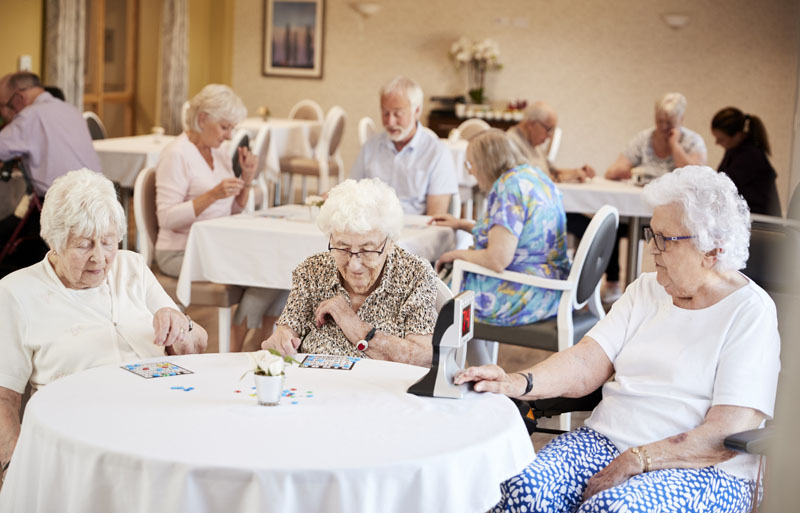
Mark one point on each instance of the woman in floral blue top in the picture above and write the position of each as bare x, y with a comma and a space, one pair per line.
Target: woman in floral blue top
524, 230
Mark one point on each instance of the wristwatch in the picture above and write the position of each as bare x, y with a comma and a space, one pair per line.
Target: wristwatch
363, 344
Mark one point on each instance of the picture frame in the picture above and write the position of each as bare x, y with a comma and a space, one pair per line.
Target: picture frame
293, 38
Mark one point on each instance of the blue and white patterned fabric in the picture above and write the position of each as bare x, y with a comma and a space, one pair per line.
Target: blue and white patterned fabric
557, 478
526, 202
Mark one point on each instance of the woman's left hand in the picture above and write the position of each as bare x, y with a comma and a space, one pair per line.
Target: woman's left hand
339, 310
674, 138
248, 162
170, 327
621, 469
447, 257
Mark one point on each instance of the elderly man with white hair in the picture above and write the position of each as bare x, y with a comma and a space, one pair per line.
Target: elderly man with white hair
86, 304
407, 156
530, 135
365, 297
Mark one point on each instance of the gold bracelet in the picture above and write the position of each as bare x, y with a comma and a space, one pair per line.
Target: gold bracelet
648, 463
638, 452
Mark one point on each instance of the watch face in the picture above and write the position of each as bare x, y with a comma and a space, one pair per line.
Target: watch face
362, 345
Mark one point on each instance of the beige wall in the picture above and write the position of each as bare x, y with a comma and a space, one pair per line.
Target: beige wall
21, 34
601, 64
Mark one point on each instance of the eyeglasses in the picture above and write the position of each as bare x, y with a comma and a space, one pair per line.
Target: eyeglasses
365, 256
547, 129
661, 241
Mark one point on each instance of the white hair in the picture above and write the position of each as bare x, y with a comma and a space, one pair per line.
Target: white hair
712, 209
409, 89
360, 207
81, 203
672, 104
539, 111
219, 102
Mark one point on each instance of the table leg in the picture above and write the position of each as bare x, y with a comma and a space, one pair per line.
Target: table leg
633, 266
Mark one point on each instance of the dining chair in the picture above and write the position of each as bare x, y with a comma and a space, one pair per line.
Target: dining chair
259, 193
204, 293
308, 109
555, 144
366, 129
327, 158
96, 128
469, 128
184, 110
580, 289
443, 294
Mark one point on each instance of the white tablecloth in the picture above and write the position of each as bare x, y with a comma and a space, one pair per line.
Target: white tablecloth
288, 137
123, 157
108, 440
588, 197
261, 251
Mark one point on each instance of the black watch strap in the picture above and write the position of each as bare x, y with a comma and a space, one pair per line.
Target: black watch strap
370, 334
529, 378
6, 465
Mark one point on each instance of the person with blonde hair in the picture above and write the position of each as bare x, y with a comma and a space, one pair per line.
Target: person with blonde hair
85, 304
366, 296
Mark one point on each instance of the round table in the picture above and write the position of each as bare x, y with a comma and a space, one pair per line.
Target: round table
108, 440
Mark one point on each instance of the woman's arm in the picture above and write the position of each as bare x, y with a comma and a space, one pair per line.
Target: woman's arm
9, 422
497, 256
620, 169
680, 156
700, 447
450, 221
284, 339
573, 372
247, 161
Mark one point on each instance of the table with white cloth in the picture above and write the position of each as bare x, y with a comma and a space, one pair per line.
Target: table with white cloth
109, 440
121, 159
588, 197
262, 249
288, 137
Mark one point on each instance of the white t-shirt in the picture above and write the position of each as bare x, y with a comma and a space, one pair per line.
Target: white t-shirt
424, 167
673, 364
48, 331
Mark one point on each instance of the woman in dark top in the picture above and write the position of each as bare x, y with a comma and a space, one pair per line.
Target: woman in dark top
746, 149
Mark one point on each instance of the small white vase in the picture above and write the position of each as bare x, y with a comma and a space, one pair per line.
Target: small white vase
268, 389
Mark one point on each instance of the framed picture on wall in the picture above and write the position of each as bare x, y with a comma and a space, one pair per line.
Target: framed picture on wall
293, 31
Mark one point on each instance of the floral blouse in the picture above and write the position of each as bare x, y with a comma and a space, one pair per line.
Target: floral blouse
527, 203
404, 303
641, 153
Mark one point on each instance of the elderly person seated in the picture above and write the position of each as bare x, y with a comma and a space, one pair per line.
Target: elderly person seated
365, 296
523, 230
407, 156
86, 304
531, 134
686, 357
195, 181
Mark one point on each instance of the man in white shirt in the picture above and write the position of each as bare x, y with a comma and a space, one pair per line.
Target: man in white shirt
407, 156
531, 135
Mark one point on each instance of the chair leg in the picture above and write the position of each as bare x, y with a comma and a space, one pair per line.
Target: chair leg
224, 316
565, 421
304, 189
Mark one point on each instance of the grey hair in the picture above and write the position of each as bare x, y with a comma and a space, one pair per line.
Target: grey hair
360, 207
539, 111
24, 80
81, 203
492, 153
219, 102
407, 87
712, 209
672, 104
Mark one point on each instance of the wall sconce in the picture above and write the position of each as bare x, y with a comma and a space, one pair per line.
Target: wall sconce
365, 9
675, 21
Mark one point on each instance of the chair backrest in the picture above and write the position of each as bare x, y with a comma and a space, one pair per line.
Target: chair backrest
774, 249
366, 129
471, 127
443, 294
96, 128
455, 205
184, 110
593, 253
555, 144
144, 212
794, 205
332, 132
307, 109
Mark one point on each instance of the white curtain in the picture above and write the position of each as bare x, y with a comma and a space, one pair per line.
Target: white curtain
65, 25
174, 64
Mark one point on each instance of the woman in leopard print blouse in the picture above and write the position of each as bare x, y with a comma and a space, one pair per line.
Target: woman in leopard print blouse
365, 296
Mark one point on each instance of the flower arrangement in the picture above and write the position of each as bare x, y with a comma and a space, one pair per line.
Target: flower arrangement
478, 57
314, 201
269, 363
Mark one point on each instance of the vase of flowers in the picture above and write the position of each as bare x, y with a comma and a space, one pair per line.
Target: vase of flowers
314, 203
268, 368
478, 58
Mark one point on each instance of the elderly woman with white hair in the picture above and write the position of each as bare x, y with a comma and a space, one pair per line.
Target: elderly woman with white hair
365, 296
686, 357
86, 304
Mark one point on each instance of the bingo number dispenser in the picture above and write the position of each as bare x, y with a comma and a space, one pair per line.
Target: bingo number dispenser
450, 336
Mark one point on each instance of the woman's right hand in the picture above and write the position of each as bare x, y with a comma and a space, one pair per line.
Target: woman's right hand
492, 378
226, 188
284, 340
450, 221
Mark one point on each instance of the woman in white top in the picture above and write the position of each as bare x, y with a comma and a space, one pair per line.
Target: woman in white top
86, 304
692, 352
